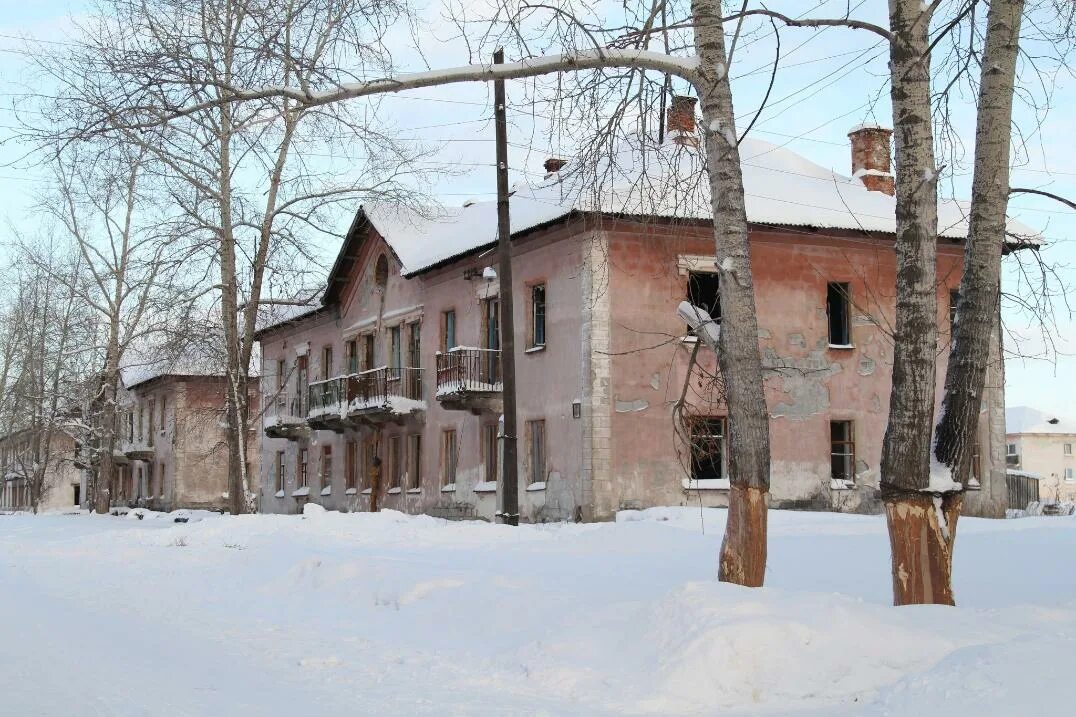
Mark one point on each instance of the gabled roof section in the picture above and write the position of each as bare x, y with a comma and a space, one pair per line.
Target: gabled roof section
782, 188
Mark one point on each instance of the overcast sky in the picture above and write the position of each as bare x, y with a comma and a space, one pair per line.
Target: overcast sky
830, 81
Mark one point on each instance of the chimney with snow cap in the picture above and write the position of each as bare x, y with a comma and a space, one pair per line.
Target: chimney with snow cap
871, 161
681, 120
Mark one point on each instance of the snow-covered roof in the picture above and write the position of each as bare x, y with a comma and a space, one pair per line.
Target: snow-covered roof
195, 358
1024, 419
782, 188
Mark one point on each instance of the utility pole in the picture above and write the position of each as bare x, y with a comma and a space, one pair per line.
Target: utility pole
509, 514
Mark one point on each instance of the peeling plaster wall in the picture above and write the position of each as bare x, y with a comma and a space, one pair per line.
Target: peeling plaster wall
808, 383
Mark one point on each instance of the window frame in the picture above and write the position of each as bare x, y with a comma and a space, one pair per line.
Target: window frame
490, 452
537, 317
695, 451
448, 330
538, 469
325, 465
281, 477
696, 275
414, 462
302, 475
849, 455
351, 457
449, 456
396, 460
1066, 449
841, 291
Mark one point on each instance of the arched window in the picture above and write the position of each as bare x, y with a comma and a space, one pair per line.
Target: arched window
381, 272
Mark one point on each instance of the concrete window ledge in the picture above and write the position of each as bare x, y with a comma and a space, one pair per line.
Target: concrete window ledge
835, 484
707, 484
689, 339
486, 487
845, 347
414, 491
535, 349
300, 492
536, 486
327, 490
449, 488
350, 491
395, 491
366, 491
279, 494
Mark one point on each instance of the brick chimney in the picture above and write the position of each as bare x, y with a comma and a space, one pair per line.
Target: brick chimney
681, 120
554, 164
871, 161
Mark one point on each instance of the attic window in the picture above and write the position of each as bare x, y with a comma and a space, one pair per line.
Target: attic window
381, 272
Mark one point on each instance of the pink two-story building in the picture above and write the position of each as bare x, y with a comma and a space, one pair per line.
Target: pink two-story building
392, 384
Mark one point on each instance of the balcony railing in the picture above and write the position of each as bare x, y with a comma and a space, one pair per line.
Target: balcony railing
328, 397
469, 370
382, 387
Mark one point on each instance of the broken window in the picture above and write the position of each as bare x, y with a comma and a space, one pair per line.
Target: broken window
839, 310
842, 451
708, 456
704, 291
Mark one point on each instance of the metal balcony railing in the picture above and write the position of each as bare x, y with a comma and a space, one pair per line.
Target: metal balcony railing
462, 370
328, 397
377, 387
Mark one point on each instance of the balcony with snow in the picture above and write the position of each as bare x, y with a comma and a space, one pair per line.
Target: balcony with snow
327, 403
384, 395
469, 379
285, 417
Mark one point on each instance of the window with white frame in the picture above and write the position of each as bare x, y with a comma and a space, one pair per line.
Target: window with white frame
1067, 449
842, 451
1010, 449
1068, 475
537, 327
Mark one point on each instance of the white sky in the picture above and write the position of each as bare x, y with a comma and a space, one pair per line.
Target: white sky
830, 80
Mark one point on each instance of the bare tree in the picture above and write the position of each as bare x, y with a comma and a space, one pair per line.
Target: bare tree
246, 178
130, 277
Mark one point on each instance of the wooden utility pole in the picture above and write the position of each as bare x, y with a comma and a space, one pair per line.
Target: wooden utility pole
509, 513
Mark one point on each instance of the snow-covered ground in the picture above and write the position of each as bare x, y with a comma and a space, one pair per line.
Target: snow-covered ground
387, 614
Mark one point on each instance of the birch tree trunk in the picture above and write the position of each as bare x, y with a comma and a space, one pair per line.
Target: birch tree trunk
743, 549
921, 526
980, 284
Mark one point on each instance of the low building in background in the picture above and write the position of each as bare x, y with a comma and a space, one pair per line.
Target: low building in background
1042, 444
56, 455
172, 440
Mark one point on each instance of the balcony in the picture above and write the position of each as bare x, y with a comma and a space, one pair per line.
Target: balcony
385, 394
327, 404
285, 417
469, 379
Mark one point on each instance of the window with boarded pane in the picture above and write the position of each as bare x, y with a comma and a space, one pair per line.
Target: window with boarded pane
449, 457
704, 291
536, 450
489, 451
708, 454
537, 332
351, 467
414, 461
842, 451
839, 311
